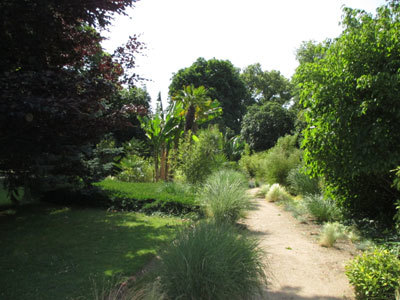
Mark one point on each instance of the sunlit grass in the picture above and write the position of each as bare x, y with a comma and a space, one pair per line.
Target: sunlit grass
57, 252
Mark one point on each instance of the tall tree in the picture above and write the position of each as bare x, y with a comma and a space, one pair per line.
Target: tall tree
351, 97
265, 86
222, 80
56, 86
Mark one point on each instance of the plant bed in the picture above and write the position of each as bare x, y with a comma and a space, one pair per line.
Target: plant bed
147, 197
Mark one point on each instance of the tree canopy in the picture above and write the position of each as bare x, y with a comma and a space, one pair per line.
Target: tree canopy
266, 86
57, 85
351, 98
264, 124
223, 82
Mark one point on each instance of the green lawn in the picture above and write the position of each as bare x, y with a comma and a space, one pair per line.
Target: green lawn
50, 252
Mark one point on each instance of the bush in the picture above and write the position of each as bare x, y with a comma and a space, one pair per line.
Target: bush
299, 183
149, 197
263, 190
211, 261
135, 169
198, 158
331, 232
224, 196
273, 166
323, 209
277, 193
374, 274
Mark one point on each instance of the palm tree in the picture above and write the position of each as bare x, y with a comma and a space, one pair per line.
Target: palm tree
198, 106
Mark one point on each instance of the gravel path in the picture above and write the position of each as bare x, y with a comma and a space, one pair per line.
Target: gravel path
298, 268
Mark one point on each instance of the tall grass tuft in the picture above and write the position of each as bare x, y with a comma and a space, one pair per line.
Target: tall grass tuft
263, 190
212, 261
224, 196
323, 209
299, 183
331, 232
277, 193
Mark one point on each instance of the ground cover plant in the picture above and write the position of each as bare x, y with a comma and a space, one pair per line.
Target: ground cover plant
150, 197
211, 261
224, 196
52, 252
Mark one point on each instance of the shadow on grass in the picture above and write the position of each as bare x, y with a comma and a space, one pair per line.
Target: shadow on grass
51, 252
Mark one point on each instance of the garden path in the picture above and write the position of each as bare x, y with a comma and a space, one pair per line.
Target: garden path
297, 267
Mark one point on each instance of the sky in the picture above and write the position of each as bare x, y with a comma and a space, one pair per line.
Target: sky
177, 32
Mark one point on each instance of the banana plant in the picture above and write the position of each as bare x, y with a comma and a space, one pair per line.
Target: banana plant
161, 129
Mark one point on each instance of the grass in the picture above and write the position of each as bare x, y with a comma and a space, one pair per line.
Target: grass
51, 252
211, 261
331, 232
277, 193
149, 197
323, 209
224, 196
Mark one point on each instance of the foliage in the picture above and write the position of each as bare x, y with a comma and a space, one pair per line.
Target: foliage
277, 193
331, 232
198, 106
300, 183
48, 246
375, 274
263, 190
211, 261
234, 147
149, 197
274, 165
224, 196
350, 94
266, 86
200, 156
56, 88
134, 168
222, 80
322, 208
264, 124
162, 129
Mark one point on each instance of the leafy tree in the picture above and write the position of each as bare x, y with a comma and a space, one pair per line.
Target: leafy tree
352, 111
56, 87
222, 80
264, 124
266, 86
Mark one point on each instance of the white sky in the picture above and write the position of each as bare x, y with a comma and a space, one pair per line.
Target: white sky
177, 32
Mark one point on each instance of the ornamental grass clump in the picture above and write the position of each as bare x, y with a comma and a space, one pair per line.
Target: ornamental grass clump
224, 196
331, 232
212, 261
323, 209
277, 193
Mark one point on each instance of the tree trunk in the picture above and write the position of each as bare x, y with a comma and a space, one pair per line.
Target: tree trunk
190, 115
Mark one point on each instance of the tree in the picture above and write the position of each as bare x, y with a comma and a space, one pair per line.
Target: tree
56, 87
264, 124
198, 106
222, 80
266, 86
352, 111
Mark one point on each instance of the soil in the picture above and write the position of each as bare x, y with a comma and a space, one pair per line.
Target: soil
297, 266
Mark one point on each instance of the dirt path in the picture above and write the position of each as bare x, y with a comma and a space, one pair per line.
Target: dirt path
298, 267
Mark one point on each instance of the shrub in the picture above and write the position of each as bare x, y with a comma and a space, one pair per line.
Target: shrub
331, 232
323, 209
224, 196
211, 261
149, 197
375, 274
299, 183
135, 169
277, 193
198, 158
